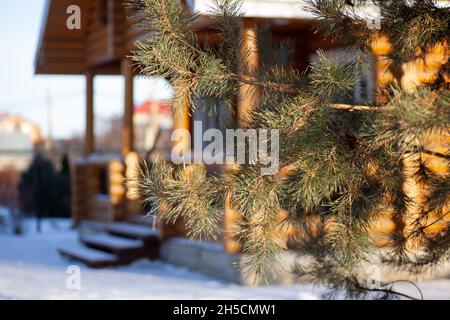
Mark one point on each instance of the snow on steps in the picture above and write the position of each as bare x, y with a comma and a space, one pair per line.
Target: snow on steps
110, 243
133, 231
148, 220
123, 241
91, 257
140, 228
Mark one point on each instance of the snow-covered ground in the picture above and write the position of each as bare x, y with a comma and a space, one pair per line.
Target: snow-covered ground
31, 268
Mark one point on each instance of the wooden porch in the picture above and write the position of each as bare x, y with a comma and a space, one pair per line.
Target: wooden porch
102, 47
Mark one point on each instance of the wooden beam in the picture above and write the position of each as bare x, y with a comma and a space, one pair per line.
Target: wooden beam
61, 44
127, 126
231, 219
248, 94
182, 120
248, 97
68, 67
89, 134
381, 48
80, 197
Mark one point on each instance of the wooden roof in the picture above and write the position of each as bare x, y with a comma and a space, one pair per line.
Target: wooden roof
61, 50
98, 45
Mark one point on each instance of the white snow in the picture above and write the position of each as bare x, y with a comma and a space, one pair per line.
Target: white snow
109, 241
281, 9
31, 268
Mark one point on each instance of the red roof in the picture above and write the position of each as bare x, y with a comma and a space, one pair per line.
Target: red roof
3, 116
162, 106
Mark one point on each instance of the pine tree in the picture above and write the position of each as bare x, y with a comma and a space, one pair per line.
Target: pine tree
343, 166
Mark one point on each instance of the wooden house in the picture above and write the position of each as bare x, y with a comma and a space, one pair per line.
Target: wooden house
101, 47
19, 139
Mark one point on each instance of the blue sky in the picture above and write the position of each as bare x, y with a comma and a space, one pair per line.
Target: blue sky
25, 94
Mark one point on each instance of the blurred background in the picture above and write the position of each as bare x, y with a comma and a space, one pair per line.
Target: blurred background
45, 114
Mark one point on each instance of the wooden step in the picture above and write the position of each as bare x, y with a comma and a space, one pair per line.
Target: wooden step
149, 221
110, 243
132, 231
91, 257
92, 226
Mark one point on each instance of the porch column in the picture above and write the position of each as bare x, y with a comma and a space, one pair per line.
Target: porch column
383, 75
89, 133
182, 120
127, 126
247, 99
182, 145
248, 94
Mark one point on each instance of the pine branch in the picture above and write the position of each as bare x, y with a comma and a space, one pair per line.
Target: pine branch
348, 107
393, 292
344, 163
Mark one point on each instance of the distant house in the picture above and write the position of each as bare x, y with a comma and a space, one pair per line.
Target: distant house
152, 123
18, 139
